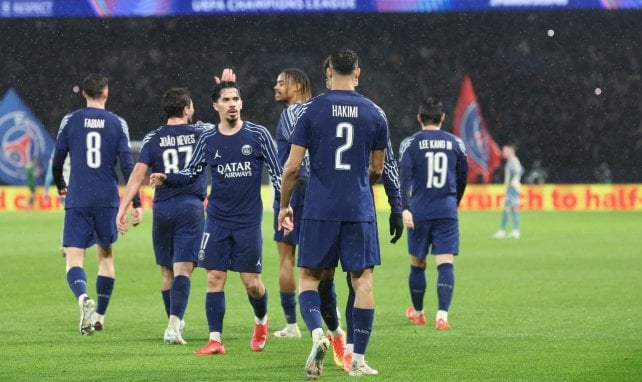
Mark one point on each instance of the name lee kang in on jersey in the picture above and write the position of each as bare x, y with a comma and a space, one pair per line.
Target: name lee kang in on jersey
435, 144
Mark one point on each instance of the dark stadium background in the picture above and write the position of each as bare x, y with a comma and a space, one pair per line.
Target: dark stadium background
534, 90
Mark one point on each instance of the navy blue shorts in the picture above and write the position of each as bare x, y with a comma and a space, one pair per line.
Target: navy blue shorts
324, 243
238, 250
440, 236
177, 229
294, 236
86, 226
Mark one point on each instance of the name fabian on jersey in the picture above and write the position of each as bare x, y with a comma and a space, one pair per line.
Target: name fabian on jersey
425, 144
235, 169
181, 140
93, 123
345, 111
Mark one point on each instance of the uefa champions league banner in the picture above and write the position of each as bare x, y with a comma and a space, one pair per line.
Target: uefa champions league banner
23, 139
144, 8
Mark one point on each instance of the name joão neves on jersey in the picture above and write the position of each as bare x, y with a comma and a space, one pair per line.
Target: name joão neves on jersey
169, 149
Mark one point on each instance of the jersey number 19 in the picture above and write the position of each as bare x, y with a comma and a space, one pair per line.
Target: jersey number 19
437, 167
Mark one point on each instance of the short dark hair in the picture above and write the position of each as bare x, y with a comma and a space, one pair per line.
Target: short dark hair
94, 84
430, 111
216, 94
298, 76
344, 61
174, 101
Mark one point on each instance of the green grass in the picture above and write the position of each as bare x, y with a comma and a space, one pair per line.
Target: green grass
563, 303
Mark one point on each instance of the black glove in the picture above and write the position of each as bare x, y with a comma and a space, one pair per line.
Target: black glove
396, 226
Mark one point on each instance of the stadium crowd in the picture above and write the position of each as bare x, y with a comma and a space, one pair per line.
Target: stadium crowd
563, 86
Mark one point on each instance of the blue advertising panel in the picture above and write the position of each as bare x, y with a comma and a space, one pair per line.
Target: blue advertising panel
144, 8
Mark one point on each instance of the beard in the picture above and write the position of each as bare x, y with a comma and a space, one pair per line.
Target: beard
232, 120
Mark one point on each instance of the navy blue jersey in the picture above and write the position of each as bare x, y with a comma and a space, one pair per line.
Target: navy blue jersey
235, 162
340, 129
433, 162
95, 139
169, 149
284, 129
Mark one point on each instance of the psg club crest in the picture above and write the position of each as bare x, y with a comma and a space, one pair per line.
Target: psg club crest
473, 135
22, 139
246, 150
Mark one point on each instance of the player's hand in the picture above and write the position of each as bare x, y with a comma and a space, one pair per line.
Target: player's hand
227, 75
407, 219
396, 226
62, 191
121, 221
157, 179
286, 220
137, 216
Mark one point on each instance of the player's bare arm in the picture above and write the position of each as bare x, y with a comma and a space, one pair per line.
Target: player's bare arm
376, 166
133, 185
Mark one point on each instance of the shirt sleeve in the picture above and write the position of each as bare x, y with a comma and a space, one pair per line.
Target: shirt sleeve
194, 168
390, 178
405, 167
268, 149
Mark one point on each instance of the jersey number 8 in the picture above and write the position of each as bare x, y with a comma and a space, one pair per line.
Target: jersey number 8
93, 149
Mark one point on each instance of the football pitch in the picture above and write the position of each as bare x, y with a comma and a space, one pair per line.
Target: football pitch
563, 303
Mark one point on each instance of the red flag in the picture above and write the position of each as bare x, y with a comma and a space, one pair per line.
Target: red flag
484, 156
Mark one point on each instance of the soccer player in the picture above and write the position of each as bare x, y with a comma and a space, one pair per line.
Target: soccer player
31, 173
178, 212
235, 150
433, 180
94, 138
513, 172
294, 88
390, 179
346, 135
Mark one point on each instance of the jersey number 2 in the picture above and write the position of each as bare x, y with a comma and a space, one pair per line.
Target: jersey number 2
344, 130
